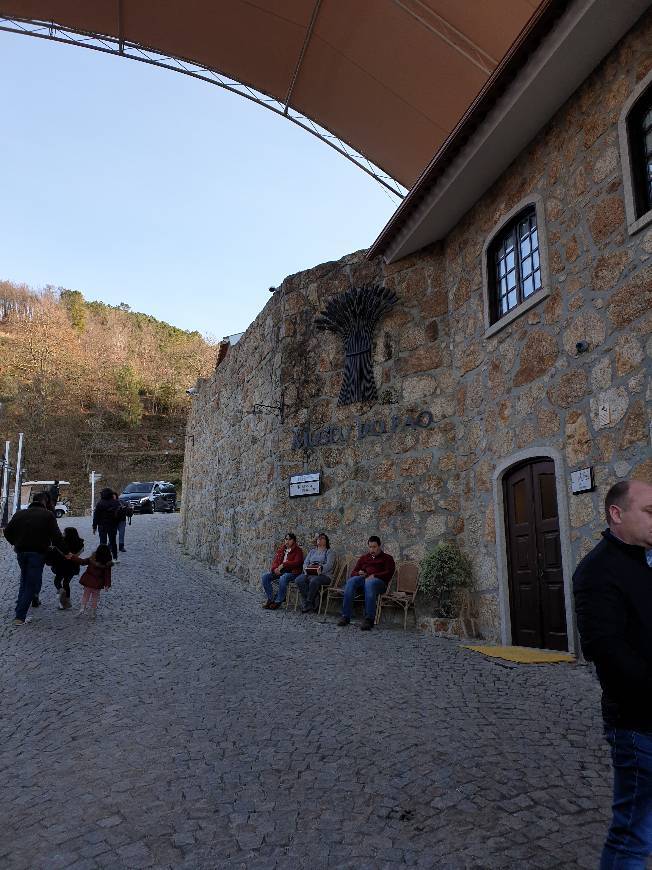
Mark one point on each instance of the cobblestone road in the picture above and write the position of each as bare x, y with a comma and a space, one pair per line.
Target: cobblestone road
187, 727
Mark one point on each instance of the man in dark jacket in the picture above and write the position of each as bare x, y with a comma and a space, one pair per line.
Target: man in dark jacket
31, 532
106, 516
371, 574
613, 602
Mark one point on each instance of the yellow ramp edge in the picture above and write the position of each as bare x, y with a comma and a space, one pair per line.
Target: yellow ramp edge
521, 654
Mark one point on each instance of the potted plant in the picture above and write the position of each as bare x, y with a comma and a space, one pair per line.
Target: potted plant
445, 572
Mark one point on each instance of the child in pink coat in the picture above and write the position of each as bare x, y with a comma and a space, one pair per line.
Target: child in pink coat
96, 577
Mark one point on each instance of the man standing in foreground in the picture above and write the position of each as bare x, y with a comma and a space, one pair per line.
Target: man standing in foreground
613, 601
31, 532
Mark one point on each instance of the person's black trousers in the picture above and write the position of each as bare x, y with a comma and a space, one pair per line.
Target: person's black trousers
110, 532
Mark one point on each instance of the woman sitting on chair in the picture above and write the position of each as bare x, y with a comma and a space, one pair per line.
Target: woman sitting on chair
317, 571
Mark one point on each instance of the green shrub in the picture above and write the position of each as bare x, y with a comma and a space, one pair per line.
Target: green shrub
444, 572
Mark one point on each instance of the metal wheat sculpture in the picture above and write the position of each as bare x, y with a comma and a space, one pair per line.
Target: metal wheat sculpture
354, 316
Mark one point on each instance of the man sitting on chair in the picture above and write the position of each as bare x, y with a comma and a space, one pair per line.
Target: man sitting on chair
371, 574
287, 564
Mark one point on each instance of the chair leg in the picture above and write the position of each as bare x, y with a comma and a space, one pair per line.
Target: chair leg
405, 611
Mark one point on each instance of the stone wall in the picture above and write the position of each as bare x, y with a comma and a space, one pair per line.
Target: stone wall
525, 386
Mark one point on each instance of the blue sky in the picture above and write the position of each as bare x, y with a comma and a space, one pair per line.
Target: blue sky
139, 185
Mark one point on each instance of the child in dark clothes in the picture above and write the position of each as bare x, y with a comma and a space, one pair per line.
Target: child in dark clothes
64, 569
96, 577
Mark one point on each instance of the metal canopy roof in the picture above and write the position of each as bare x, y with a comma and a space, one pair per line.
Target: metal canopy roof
391, 78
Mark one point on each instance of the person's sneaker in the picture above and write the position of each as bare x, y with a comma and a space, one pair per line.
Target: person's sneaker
60, 607
343, 620
265, 604
79, 613
274, 605
122, 549
116, 561
367, 624
36, 602
93, 614
28, 619
66, 604
18, 622
307, 608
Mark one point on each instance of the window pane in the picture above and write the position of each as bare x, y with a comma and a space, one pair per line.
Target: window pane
501, 268
509, 243
525, 247
511, 280
528, 287
526, 267
510, 260
647, 118
503, 286
537, 279
648, 143
535, 259
511, 300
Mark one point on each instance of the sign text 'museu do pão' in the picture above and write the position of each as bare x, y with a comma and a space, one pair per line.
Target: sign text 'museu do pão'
335, 435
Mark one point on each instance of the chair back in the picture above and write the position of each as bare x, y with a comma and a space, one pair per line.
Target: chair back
340, 574
407, 580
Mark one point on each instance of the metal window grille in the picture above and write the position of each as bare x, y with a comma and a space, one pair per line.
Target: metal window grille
516, 267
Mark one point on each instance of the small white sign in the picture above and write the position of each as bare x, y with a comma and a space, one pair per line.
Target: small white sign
582, 480
604, 414
305, 484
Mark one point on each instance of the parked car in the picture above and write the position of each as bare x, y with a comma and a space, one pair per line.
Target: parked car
147, 497
170, 494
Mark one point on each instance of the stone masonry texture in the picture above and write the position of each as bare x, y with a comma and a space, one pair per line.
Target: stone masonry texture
525, 386
187, 728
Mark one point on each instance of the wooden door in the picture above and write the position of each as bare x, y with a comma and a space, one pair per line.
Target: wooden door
536, 586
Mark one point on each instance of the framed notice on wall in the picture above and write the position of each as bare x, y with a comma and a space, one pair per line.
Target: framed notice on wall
305, 484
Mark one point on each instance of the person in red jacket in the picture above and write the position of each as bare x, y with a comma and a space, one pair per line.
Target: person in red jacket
371, 574
287, 564
95, 578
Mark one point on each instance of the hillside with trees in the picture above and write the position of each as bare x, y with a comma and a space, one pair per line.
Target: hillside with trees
94, 387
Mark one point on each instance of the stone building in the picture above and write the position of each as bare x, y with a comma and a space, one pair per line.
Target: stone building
519, 351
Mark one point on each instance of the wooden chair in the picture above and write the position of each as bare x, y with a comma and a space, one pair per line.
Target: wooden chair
404, 594
336, 589
339, 577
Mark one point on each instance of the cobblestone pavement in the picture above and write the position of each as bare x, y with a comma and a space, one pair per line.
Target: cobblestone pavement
186, 727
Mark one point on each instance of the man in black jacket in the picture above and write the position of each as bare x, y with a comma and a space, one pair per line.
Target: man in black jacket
613, 602
31, 532
106, 516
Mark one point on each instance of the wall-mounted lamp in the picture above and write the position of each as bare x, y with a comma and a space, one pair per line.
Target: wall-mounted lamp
276, 409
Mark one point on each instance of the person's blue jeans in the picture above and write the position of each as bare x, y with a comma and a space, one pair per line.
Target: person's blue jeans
122, 525
31, 578
629, 840
283, 581
372, 588
108, 535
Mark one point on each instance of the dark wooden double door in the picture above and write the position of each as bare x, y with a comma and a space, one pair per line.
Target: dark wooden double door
536, 583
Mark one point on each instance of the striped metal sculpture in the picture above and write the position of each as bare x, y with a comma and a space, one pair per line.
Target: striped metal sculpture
354, 316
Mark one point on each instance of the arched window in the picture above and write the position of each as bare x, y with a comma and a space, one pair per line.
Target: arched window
639, 129
513, 264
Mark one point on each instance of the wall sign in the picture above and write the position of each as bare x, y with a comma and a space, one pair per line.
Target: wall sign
335, 435
305, 484
582, 480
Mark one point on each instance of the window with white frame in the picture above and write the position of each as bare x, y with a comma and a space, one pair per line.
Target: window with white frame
513, 266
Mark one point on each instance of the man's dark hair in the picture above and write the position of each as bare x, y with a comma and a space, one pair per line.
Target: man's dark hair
41, 498
618, 495
292, 536
374, 539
